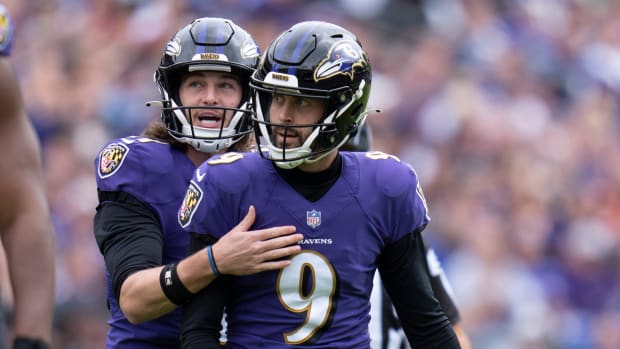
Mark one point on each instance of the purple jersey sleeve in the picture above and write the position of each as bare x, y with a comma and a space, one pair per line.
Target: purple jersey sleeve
391, 195
156, 174
150, 170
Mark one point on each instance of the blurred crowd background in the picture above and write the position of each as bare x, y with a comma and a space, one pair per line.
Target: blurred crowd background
508, 110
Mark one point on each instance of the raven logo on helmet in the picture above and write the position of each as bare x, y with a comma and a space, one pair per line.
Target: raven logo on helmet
249, 49
342, 58
173, 48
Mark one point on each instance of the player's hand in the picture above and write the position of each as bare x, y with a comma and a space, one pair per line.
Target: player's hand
243, 251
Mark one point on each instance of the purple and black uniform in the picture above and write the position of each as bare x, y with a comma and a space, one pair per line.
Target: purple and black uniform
369, 217
141, 183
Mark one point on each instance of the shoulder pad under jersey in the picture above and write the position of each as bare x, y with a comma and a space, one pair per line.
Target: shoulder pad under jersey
130, 160
392, 176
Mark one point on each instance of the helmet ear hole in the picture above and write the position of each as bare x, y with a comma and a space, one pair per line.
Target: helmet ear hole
345, 96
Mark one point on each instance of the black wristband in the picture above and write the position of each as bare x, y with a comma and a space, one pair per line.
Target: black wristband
29, 343
172, 286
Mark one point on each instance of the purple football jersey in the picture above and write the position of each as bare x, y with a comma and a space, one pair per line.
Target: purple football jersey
322, 299
156, 174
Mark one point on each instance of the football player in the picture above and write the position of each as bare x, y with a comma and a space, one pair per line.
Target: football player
358, 212
203, 79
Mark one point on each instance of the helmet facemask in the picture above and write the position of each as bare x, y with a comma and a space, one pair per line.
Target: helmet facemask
341, 117
205, 139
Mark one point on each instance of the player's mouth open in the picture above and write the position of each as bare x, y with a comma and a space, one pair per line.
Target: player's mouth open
208, 121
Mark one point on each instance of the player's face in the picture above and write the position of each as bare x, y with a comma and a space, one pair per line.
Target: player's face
210, 89
294, 110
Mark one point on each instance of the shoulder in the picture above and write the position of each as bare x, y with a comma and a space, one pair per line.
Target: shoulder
230, 172
383, 171
217, 188
133, 156
388, 185
233, 163
6, 32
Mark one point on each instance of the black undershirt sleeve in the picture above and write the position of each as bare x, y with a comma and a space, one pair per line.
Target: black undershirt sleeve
441, 292
128, 234
403, 269
440, 289
202, 315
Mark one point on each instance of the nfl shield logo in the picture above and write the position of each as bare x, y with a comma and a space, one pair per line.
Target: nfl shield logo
313, 218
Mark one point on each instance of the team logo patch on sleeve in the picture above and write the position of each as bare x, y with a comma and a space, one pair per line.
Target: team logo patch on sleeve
111, 159
190, 203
